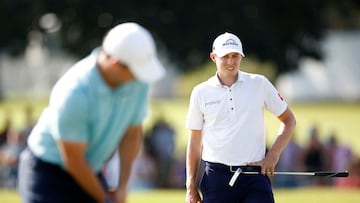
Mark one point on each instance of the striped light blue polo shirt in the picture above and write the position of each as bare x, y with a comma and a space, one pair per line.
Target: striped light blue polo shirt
83, 108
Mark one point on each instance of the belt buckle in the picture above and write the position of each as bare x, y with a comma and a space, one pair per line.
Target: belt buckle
231, 169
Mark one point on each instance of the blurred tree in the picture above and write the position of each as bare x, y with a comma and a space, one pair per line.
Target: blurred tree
280, 31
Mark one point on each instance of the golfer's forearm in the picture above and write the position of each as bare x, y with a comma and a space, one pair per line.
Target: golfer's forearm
85, 177
73, 155
124, 177
285, 132
125, 170
192, 164
128, 150
280, 144
191, 172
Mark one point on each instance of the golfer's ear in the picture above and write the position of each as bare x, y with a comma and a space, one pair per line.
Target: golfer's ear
118, 63
212, 56
110, 59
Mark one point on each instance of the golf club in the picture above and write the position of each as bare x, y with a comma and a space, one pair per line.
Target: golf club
325, 174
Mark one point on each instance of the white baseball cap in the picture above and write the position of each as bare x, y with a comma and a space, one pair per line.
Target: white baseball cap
227, 43
135, 47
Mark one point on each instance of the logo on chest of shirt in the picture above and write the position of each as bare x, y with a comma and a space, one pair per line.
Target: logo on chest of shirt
212, 103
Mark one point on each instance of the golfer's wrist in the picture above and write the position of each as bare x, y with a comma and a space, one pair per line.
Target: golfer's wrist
190, 185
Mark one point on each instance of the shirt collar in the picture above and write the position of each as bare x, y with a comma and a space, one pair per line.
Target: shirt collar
98, 81
214, 80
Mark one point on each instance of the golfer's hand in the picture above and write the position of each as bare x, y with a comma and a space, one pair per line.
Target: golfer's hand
267, 165
120, 196
193, 196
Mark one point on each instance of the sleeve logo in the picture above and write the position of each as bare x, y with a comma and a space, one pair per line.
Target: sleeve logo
282, 98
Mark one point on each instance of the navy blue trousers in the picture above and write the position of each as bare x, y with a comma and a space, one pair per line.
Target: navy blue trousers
42, 182
247, 188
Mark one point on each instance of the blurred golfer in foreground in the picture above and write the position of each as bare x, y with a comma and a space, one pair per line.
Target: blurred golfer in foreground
226, 122
96, 107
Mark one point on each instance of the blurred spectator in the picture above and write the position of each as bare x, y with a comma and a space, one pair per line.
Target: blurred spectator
29, 123
178, 174
314, 156
353, 181
5, 130
161, 143
339, 156
9, 155
290, 160
143, 173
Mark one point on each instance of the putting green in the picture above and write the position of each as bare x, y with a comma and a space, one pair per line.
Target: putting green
299, 195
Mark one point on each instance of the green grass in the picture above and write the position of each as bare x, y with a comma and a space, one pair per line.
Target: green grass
301, 195
317, 195
9, 196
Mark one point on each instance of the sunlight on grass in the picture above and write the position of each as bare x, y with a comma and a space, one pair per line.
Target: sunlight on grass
299, 195
317, 195
9, 196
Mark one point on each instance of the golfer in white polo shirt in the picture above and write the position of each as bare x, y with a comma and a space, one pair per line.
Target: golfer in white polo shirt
96, 107
227, 130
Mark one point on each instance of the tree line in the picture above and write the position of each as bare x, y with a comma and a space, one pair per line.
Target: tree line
280, 31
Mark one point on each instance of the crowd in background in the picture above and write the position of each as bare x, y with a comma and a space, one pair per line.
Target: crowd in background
316, 156
12, 142
157, 165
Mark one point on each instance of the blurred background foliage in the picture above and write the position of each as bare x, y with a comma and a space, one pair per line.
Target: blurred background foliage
277, 31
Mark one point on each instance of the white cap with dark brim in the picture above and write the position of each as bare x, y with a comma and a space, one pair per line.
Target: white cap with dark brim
134, 46
227, 43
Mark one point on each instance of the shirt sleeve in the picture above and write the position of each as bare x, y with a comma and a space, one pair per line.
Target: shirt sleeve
195, 117
274, 102
70, 116
142, 106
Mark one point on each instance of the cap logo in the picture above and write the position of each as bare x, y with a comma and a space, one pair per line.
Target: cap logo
230, 42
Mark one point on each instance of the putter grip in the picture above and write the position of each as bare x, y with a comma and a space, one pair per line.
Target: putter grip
331, 174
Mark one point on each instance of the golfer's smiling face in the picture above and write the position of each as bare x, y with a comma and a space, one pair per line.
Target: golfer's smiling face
228, 64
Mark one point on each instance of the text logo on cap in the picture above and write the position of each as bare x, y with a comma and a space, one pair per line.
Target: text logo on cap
230, 42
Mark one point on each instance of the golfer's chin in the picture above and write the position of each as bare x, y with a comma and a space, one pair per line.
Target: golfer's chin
232, 69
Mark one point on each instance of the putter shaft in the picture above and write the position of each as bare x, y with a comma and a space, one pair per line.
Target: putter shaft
328, 174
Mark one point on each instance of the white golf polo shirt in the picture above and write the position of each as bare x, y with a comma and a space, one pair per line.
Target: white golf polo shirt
232, 119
